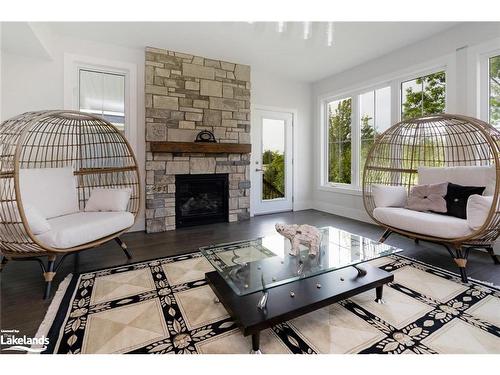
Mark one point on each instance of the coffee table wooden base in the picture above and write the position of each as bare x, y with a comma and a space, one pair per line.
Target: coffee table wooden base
297, 298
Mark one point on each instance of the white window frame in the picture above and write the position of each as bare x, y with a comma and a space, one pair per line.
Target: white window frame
484, 84
395, 82
415, 76
72, 66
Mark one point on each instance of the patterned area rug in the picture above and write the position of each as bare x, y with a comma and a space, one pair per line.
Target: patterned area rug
165, 306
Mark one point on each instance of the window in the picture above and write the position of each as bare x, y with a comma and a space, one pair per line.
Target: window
354, 120
103, 94
339, 141
107, 88
348, 145
424, 95
374, 119
494, 90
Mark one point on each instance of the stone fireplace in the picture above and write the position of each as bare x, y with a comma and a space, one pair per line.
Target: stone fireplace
186, 94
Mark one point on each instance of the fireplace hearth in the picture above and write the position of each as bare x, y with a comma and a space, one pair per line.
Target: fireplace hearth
201, 199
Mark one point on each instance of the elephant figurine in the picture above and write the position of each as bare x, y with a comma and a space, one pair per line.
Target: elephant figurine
301, 234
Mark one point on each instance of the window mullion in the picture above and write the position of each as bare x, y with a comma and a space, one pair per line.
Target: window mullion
355, 141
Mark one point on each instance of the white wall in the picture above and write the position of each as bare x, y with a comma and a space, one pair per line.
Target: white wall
35, 83
435, 51
271, 91
30, 83
1, 112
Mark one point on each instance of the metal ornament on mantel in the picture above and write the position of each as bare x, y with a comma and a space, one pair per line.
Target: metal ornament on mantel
205, 136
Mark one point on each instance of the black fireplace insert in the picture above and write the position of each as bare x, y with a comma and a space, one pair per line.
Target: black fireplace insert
201, 199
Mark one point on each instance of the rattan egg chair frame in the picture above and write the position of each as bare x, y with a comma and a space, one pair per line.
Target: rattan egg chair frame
100, 156
443, 140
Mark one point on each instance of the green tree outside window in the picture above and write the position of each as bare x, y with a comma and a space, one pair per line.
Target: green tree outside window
494, 102
339, 141
424, 96
273, 179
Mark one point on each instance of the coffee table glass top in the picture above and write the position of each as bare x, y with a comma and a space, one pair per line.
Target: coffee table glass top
263, 263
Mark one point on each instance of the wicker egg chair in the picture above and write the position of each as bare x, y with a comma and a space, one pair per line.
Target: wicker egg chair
442, 140
100, 157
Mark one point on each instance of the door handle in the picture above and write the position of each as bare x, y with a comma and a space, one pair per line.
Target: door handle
258, 170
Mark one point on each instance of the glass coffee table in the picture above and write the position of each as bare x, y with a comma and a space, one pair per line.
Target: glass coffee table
260, 284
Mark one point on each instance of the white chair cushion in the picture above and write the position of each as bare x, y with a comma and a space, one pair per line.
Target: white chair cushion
389, 196
83, 227
37, 223
426, 223
466, 176
478, 208
51, 190
108, 200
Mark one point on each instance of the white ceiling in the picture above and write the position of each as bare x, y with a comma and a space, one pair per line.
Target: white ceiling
260, 45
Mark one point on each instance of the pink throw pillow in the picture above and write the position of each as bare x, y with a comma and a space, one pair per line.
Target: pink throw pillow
428, 198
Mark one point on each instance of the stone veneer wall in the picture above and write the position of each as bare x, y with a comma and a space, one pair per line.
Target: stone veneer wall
184, 95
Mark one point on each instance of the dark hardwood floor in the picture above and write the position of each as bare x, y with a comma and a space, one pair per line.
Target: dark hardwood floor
21, 286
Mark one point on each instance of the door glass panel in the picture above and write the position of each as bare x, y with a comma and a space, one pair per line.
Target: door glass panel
273, 159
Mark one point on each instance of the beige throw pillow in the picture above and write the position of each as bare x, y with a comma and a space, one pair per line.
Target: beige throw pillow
428, 198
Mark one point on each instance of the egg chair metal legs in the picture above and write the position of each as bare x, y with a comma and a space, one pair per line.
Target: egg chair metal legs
3, 263
460, 258
493, 255
49, 274
53, 264
458, 252
48, 271
124, 247
459, 255
385, 235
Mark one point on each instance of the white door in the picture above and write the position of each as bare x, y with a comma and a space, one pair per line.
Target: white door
271, 164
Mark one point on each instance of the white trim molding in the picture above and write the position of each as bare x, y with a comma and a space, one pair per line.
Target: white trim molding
73, 64
296, 206
394, 81
477, 77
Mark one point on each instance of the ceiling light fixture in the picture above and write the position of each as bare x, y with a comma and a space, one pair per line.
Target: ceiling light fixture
329, 34
307, 30
281, 27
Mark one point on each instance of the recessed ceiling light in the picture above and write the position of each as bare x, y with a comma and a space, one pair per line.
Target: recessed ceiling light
307, 30
329, 34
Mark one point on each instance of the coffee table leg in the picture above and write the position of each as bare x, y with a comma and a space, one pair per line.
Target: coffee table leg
256, 344
379, 290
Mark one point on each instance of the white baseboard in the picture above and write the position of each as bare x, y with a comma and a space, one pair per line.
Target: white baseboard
139, 226
302, 205
297, 206
351, 213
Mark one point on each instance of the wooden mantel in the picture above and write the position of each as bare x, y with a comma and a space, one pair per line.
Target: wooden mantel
195, 147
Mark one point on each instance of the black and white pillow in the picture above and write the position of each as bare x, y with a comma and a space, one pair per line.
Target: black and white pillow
456, 199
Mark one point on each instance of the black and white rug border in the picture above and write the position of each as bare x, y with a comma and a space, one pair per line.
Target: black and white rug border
59, 310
